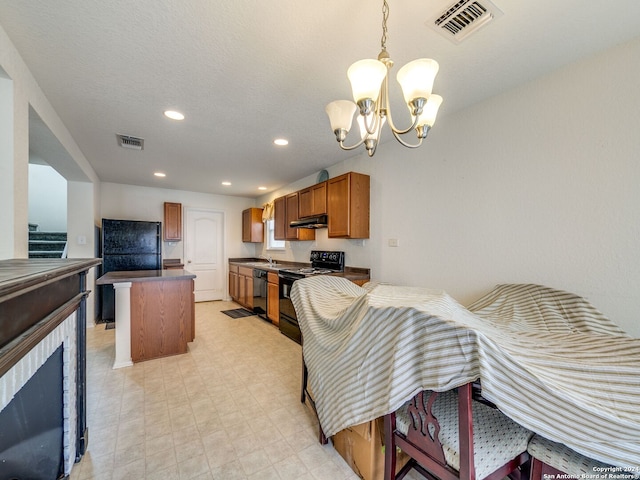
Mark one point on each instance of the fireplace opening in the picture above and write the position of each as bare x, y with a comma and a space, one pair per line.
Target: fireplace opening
32, 428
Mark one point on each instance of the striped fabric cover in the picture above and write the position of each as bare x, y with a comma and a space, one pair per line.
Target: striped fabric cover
575, 379
535, 307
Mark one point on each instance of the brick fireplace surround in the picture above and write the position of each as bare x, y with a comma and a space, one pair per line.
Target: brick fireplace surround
21, 372
42, 306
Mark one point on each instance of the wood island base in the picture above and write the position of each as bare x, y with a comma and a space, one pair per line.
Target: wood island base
155, 313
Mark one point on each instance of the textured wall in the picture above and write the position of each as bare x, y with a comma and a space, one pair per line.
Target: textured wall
536, 185
539, 184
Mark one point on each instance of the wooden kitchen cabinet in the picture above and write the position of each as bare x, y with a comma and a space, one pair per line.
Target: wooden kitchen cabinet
233, 282
159, 313
280, 218
252, 226
162, 318
172, 222
245, 287
348, 206
285, 209
273, 298
291, 214
312, 201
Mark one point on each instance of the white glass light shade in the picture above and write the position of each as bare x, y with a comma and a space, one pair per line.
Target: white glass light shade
366, 77
416, 78
371, 118
430, 110
340, 114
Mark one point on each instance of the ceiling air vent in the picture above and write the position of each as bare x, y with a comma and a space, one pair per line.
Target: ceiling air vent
463, 18
127, 141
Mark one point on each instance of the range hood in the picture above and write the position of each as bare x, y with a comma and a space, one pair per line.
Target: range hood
312, 222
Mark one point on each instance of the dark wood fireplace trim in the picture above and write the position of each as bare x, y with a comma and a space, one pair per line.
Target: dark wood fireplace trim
11, 353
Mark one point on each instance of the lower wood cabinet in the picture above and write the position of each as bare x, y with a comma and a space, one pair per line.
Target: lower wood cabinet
162, 318
273, 298
233, 282
241, 285
245, 287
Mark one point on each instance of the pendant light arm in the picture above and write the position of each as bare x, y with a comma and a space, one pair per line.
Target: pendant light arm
384, 105
408, 145
397, 131
375, 117
352, 147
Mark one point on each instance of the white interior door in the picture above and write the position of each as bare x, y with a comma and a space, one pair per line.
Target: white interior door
204, 252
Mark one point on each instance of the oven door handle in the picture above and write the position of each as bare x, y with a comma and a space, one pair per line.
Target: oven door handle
288, 278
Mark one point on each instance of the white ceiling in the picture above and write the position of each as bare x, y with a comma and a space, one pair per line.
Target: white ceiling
246, 71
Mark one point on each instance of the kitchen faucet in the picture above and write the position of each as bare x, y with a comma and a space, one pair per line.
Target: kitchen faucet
268, 259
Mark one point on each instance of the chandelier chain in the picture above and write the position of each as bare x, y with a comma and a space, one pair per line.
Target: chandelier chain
370, 85
385, 17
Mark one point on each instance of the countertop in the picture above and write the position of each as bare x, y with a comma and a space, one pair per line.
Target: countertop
143, 276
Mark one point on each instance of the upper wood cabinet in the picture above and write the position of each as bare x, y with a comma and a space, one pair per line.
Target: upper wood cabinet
312, 200
172, 222
344, 199
348, 206
252, 226
280, 218
291, 209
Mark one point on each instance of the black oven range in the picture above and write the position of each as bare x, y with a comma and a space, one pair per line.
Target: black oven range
322, 263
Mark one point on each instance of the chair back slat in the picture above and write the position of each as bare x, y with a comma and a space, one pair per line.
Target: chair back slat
425, 428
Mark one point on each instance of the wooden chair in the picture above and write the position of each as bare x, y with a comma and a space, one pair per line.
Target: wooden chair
553, 459
488, 445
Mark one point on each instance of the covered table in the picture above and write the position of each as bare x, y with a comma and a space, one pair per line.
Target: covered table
546, 358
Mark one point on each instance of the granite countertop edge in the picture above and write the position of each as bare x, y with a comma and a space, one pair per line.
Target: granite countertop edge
353, 273
144, 276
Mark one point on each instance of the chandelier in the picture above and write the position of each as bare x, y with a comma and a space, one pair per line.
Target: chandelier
370, 87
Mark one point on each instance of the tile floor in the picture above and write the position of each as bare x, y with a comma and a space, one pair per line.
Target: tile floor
185, 417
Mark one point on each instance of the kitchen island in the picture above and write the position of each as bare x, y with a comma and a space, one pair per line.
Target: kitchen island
155, 313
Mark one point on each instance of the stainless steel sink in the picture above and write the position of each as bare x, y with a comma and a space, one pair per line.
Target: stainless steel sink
264, 265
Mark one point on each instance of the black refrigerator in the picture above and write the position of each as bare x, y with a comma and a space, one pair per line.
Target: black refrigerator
128, 245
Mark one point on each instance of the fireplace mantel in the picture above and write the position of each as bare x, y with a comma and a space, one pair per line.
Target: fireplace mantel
36, 295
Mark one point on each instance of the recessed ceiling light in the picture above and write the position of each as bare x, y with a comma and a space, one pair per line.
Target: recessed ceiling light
173, 115
281, 141
262, 188
226, 184
160, 174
